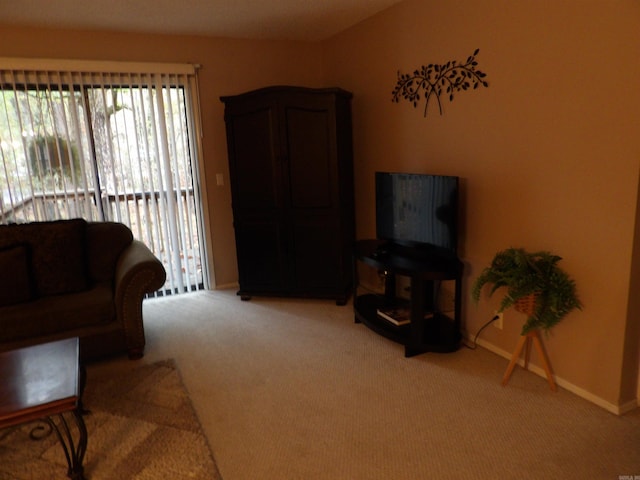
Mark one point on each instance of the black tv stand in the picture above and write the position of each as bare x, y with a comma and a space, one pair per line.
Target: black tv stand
436, 333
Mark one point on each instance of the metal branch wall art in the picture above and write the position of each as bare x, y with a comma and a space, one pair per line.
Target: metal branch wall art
438, 80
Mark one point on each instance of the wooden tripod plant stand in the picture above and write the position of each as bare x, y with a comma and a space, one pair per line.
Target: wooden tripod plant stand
526, 306
525, 342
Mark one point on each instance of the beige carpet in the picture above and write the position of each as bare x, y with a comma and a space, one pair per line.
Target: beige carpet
142, 426
292, 389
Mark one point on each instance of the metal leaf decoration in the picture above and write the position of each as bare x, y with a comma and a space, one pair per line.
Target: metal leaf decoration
438, 80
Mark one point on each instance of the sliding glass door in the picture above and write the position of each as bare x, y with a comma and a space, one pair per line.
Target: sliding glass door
107, 146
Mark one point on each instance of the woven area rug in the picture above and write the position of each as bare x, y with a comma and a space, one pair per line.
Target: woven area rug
141, 425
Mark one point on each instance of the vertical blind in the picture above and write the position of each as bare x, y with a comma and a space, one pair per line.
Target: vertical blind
106, 142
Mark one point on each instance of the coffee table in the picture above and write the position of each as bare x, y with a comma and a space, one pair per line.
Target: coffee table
44, 383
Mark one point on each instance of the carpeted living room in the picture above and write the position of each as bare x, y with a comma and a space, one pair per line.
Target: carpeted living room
288, 388
294, 388
302, 331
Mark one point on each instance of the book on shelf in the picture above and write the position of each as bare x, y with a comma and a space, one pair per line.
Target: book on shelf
398, 315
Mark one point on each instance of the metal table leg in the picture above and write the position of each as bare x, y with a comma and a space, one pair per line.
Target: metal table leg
72, 451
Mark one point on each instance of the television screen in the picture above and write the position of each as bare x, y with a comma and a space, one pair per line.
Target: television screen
417, 210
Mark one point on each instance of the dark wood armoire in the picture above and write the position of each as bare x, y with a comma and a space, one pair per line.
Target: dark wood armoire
291, 171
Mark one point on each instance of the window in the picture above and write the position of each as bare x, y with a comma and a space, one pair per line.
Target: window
107, 145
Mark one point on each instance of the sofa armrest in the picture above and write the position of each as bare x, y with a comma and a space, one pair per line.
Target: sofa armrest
138, 272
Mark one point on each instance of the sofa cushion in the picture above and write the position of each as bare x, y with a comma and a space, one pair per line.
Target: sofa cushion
58, 253
105, 243
15, 275
59, 313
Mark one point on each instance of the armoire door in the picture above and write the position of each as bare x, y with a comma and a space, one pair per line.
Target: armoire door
255, 165
312, 200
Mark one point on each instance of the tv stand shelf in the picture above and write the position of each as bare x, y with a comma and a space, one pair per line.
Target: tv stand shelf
436, 333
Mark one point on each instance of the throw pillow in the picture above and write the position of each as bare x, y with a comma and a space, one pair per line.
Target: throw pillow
105, 243
58, 254
15, 276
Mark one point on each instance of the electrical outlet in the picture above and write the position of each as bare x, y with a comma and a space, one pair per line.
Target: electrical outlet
498, 322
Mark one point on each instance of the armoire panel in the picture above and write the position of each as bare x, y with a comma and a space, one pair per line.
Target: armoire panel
310, 155
261, 260
256, 183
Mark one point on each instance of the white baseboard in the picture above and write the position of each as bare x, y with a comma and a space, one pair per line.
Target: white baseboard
611, 407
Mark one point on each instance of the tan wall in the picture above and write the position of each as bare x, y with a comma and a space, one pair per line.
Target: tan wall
228, 67
548, 154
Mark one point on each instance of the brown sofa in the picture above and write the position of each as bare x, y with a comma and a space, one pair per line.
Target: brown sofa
72, 278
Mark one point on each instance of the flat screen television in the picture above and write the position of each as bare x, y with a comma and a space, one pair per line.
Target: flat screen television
418, 211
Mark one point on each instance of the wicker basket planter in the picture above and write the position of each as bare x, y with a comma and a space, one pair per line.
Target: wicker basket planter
535, 286
526, 304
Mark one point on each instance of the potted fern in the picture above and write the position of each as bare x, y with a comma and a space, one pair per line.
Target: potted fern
534, 278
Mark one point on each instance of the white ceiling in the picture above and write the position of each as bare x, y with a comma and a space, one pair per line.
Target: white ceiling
309, 20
